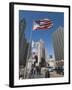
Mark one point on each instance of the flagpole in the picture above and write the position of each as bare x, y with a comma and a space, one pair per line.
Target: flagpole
25, 74
41, 24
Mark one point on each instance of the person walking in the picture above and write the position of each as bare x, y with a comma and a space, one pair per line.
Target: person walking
47, 74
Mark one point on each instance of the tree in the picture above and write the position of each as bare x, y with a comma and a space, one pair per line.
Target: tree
36, 58
43, 62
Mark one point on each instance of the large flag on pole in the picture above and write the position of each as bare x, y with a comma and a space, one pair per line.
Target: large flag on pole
43, 24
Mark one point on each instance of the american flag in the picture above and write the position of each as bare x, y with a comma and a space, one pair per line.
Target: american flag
43, 24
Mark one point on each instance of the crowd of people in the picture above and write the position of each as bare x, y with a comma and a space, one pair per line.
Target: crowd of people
36, 71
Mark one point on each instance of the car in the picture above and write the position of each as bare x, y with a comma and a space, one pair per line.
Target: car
50, 69
60, 70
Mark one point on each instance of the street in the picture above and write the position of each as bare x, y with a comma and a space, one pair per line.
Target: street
52, 74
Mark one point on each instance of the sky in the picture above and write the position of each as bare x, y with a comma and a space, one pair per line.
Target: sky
46, 35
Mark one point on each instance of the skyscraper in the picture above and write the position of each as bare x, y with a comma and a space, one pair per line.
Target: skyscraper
58, 44
38, 49
24, 45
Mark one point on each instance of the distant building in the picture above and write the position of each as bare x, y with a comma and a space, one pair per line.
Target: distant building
58, 44
38, 48
51, 63
46, 55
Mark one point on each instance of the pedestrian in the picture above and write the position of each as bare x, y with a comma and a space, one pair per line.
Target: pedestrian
47, 74
34, 70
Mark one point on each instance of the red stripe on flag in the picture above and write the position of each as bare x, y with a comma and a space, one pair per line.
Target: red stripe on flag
42, 24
